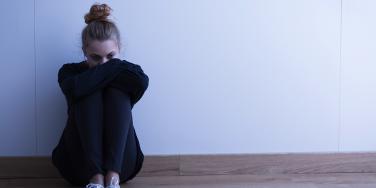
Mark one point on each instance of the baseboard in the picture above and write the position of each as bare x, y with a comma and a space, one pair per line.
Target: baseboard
213, 164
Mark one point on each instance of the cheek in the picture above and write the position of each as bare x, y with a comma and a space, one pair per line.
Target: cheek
117, 55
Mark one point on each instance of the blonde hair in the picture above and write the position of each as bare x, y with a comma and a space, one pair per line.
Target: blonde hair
99, 27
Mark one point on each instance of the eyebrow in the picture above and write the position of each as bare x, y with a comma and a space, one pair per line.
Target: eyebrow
106, 55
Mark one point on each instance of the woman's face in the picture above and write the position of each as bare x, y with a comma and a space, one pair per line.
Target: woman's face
99, 52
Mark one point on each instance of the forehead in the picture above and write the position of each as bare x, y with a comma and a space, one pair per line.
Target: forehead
102, 47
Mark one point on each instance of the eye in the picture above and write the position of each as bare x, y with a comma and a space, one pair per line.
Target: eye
96, 57
110, 56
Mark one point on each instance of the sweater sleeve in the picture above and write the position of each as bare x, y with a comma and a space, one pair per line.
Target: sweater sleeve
131, 80
76, 83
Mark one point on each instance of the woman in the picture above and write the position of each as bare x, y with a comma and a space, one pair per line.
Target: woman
99, 146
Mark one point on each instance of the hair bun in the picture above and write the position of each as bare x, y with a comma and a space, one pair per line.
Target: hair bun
98, 12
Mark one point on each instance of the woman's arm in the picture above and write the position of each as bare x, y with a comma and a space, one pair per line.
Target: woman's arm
76, 83
131, 80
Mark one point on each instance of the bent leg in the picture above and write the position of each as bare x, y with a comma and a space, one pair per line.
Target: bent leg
133, 157
89, 122
117, 121
122, 149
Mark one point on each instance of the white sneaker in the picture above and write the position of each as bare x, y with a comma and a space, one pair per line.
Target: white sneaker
94, 185
114, 183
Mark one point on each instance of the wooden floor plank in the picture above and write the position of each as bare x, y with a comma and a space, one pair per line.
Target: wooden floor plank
310, 163
331, 180
201, 165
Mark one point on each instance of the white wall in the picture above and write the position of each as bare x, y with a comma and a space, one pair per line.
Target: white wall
358, 127
239, 76
17, 79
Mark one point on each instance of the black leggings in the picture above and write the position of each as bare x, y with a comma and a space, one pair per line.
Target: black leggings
102, 138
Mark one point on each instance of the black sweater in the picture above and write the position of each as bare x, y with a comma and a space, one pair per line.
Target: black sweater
77, 80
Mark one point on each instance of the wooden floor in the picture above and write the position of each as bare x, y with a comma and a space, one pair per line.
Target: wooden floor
330, 180
308, 170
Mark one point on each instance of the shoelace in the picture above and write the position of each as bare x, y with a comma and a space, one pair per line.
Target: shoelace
94, 185
114, 183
